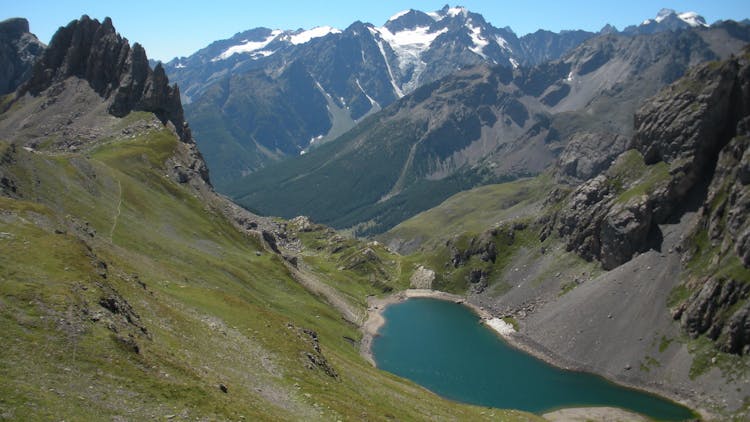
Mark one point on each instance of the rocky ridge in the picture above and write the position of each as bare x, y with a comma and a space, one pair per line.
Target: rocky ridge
95, 52
19, 49
92, 51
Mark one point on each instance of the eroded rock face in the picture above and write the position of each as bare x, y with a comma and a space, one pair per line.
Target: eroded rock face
687, 119
95, 52
580, 221
707, 311
724, 214
737, 331
19, 49
587, 155
625, 231
482, 246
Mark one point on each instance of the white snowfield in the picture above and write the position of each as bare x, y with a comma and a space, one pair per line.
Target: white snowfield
255, 48
408, 44
691, 18
247, 46
317, 32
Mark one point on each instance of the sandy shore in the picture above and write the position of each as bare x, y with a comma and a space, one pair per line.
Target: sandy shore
376, 306
600, 414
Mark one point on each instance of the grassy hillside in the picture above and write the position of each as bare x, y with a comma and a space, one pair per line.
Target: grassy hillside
471, 211
124, 295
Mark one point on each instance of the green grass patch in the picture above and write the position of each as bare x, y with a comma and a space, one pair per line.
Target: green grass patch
664, 343
512, 321
630, 177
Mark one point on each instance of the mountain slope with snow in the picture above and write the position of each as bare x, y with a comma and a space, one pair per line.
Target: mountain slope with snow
668, 20
246, 112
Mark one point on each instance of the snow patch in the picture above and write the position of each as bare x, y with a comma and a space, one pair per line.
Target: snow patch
480, 42
317, 32
398, 15
435, 16
513, 63
255, 55
315, 139
692, 19
570, 77
179, 66
455, 11
320, 87
247, 46
372, 102
409, 44
503, 44
501, 327
396, 89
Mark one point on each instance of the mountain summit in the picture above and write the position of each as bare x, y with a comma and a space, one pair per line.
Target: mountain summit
668, 20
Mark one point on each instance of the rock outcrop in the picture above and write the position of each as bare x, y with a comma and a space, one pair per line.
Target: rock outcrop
586, 155
92, 51
19, 49
711, 311
95, 52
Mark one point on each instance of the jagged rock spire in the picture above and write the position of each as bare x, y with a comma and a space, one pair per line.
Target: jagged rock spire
94, 51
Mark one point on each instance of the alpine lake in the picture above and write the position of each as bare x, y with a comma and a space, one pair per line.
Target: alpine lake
442, 346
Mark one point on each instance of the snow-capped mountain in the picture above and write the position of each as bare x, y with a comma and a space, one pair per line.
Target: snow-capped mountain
668, 20
269, 93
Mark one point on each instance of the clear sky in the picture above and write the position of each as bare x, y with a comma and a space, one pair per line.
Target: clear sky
169, 28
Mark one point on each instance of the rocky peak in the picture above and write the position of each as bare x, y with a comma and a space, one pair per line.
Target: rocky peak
667, 20
18, 51
410, 19
608, 29
94, 51
14, 26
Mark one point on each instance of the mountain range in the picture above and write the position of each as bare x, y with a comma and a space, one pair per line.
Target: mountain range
266, 94
483, 125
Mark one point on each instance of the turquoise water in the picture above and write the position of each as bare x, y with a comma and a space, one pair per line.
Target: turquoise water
442, 346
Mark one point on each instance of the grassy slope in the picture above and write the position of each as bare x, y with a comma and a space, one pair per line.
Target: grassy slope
215, 312
472, 211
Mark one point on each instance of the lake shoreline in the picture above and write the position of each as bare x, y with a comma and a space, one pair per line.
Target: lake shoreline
376, 306
375, 320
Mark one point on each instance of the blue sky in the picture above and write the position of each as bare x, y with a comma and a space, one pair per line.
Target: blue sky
169, 28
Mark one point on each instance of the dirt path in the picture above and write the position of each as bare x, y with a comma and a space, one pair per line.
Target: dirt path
119, 210
333, 297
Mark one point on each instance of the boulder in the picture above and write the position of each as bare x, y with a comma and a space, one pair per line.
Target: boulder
624, 231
